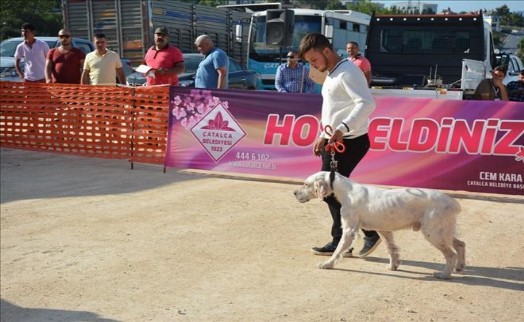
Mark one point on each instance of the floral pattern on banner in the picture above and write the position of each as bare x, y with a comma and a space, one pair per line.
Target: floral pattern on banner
191, 108
519, 156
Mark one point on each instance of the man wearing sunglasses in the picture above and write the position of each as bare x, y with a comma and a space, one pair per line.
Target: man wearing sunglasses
64, 63
293, 77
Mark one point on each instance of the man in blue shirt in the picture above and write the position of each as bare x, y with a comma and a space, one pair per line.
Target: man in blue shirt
293, 77
212, 71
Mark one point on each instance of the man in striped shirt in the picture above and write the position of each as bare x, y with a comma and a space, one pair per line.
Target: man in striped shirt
293, 77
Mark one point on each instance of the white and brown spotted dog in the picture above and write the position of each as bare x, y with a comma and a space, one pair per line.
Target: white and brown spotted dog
385, 211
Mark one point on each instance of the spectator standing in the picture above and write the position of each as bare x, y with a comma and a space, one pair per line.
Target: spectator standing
165, 60
356, 58
293, 77
34, 53
492, 89
516, 89
102, 66
64, 63
212, 72
346, 107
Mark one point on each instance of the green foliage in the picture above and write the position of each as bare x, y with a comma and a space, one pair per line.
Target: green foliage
334, 5
321, 4
502, 11
498, 39
210, 3
44, 14
368, 7
515, 19
520, 50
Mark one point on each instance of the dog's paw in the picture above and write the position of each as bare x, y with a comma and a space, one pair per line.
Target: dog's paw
459, 268
326, 265
441, 276
392, 266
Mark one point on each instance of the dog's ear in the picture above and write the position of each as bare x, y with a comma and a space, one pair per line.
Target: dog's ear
321, 189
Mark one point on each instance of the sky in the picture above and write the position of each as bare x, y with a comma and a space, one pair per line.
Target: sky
466, 5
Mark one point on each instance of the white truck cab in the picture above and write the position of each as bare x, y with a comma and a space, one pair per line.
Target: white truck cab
428, 52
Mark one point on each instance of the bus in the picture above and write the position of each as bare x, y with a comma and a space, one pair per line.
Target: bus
340, 26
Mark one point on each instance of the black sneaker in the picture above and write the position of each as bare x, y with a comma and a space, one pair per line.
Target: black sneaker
370, 244
328, 249
349, 253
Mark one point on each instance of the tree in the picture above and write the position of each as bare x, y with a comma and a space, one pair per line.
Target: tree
502, 11
334, 5
515, 19
44, 14
211, 3
317, 4
368, 7
520, 50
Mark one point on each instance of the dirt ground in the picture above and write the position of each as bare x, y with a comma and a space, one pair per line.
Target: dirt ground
92, 240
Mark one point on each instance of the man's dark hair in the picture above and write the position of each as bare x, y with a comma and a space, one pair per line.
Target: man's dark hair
354, 43
100, 35
28, 26
500, 68
315, 41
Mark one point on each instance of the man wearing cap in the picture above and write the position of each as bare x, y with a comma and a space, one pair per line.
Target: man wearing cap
165, 60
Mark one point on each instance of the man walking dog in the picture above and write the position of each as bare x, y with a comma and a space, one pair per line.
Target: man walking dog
347, 104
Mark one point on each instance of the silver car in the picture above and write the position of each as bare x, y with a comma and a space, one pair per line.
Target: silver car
239, 78
7, 54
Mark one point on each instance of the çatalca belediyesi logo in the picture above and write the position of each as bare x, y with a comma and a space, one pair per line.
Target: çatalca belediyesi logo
218, 132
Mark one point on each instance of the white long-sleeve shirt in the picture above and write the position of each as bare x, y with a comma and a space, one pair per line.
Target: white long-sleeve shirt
347, 100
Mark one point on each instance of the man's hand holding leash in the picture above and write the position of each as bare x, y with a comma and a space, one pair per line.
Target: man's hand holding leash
336, 137
335, 142
317, 149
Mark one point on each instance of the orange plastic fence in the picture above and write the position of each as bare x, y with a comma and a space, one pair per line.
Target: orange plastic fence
94, 121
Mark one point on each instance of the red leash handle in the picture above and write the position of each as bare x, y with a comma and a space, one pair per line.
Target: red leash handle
335, 146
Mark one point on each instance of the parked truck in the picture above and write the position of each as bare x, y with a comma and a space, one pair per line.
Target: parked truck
428, 52
129, 25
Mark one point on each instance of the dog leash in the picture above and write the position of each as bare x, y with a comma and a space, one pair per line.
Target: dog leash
333, 147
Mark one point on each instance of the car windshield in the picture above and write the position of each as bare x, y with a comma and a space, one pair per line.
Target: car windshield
8, 47
191, 63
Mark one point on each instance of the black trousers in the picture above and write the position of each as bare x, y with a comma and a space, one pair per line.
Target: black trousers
356, 149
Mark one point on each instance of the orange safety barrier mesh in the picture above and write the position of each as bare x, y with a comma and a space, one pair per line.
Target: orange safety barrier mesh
94, 121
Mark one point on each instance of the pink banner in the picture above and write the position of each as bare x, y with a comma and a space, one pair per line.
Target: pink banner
443, 144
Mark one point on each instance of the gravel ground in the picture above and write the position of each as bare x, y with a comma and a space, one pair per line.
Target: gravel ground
92, 240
